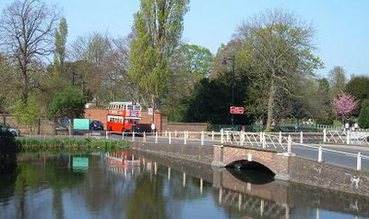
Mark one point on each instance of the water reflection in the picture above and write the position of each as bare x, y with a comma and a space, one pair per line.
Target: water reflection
126, 185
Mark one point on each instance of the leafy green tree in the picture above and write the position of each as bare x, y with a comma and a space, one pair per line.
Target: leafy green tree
190, 64
27, 114
364, 115
358, 87
158, 28
60, 46
281, 50
68, 103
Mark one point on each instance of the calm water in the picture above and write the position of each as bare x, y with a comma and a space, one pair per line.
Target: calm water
119, 185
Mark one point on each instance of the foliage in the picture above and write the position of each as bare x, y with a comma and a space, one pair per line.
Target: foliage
67, 104
280, 51
26, 28
344, 105
364, 115
60, 46
157, 34
27, 114
190, 64
59, 144
8, 153
358, 87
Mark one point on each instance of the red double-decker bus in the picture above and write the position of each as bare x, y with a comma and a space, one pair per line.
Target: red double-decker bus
123, 116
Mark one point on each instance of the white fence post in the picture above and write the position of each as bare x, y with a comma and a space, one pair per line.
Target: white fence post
261, 137
264, 140
358, 163
144, 137
170, 137
301, 137
156, 137
122, 135
133, 136
107, 135
184, 138
212, 135
227, 133
348, 137
289, 144
320, 154
175, 133
166, 133
280, 137
324, 135
242, 137
202, 137
221, 137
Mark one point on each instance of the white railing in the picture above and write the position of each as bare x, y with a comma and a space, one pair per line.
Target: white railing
273, 141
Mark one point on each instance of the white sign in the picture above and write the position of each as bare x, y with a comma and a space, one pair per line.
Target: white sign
149, 111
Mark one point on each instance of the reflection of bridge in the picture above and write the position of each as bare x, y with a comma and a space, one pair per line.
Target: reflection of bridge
273, 200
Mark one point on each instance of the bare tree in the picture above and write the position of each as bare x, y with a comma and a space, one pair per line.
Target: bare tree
26, 31
337, 80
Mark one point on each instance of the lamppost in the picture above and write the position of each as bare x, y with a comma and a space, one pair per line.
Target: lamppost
225, 61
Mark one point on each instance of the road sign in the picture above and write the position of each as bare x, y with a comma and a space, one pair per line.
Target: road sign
149, 111
236, 110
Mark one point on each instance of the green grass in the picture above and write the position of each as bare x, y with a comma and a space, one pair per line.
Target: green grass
32, 144
365, 170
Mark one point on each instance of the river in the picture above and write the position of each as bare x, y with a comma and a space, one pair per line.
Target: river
141, 185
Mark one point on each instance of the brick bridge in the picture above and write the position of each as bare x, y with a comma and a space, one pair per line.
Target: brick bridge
277, 163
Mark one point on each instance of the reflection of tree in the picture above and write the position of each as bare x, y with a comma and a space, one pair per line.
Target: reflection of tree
147, 200
55, 172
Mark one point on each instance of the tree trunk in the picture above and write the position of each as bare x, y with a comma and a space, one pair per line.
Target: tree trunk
270, 104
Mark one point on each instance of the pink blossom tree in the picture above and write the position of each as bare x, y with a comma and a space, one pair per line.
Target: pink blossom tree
344, 105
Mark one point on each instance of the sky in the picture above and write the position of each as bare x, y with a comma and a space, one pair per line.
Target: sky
342, 37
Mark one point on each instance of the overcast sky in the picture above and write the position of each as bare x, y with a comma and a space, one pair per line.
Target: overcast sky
342, 25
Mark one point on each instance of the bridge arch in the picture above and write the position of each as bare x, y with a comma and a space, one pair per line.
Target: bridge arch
250, 165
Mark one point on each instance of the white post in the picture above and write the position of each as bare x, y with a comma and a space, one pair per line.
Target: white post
122, 135
155, 168
212, 135
301, 137
169, 173
165, 133
280, 137
348, 137
156, 137
358, 163
221, 137
261, 137
175, 133
242, 137
227, 134
133, 136
184, 179
184, 138
201, 185
264, 139
202, 137
320, 154
170, 137
144, 137
107, 135
324, 135
289, 144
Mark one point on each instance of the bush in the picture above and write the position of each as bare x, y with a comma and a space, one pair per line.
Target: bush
8, 153
364, 117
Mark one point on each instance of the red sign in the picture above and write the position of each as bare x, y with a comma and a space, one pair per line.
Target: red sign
236, 110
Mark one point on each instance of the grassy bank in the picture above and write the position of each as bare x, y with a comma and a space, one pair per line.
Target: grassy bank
27, 144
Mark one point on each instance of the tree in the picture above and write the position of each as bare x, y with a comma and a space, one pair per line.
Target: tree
279, 47
26, 30
358, 87
344, 105
364, 115
158, 28
190, 64
67, 104
337, 80
60, 46
27, 114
